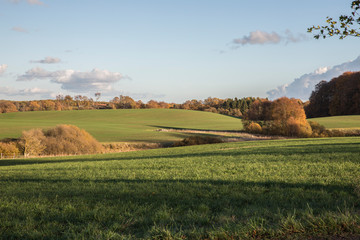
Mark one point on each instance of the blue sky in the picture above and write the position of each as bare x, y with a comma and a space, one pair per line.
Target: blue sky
164, 50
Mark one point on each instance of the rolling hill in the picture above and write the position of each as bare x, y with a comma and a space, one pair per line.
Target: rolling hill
120, 125
348, 121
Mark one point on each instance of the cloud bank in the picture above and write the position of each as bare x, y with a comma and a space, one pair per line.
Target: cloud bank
75, 81
3, 68
47, 60
8, 91
261, 37
303, 86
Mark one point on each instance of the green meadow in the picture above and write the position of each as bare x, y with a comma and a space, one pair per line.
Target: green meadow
349, 121
120, 125
282, 189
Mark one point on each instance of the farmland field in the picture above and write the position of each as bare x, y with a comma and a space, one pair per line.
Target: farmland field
350, 121
298, 188
120, 125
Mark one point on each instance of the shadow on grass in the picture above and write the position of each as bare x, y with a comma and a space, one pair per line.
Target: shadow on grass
289, 150
179, 204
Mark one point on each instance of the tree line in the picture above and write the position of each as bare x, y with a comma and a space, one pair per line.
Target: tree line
233, 107
340, 96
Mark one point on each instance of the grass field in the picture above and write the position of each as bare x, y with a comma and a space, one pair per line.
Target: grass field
299, 188
120, 125
350, 121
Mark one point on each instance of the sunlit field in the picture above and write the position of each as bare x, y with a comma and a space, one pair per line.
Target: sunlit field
300, 188
350, 121
120, 125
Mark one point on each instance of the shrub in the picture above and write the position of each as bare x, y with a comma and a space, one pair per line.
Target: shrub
298, 128
336, 133
197, 140
69, 139
32, 142
62, 139
319, 130
8, 149
253, 127
125, 147
283, 116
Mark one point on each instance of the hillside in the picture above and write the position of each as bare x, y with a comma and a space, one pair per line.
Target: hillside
288, 189
120, 125
348, 121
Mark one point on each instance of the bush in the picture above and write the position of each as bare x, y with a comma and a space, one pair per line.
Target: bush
298, 128
8, 149
253, 127
336, 133
283, 116
125, 147
32, 142
320, 131
62, 139
197, 140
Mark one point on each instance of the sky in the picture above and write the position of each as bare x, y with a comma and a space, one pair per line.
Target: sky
169, 50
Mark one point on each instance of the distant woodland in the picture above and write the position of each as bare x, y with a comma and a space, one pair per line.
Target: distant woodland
340, 96
233, 107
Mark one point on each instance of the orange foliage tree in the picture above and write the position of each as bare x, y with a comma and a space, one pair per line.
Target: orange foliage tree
7, 106
283, 116
288, 118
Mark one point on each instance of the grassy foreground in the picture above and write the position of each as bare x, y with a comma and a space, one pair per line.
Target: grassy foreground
124, 125
350, 121
249, 190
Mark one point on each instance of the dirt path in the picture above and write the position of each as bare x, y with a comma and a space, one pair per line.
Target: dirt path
228, 136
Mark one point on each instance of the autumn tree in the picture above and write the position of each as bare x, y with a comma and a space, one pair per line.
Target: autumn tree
163, 104
48, 105
68, 100
7, 106
152, 104
32, 142
288, 118
34, 106
340, 96
126, 102
346, 25
259, 110
283, 116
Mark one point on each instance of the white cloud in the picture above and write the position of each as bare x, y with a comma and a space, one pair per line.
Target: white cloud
258, 37
303, 86
19, 29
34, 73
261, 37
3, 68
8, 91
35, 90
47, 60
75, 81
